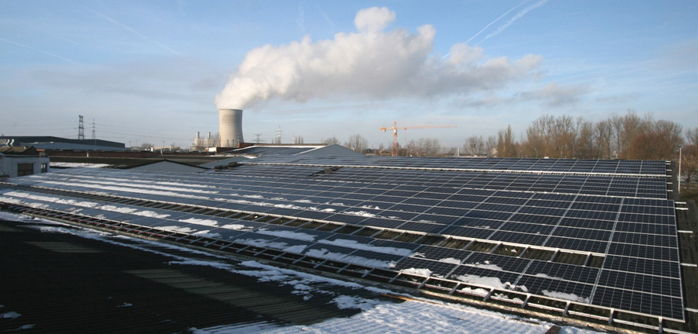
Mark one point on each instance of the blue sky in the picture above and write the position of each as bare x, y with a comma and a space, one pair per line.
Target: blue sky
151, 71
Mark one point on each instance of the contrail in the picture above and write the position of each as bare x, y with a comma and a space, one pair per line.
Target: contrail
301, 18
37, 50
325, 16
516, 17
495, 21
135, 32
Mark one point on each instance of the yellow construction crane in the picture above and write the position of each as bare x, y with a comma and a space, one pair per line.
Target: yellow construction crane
395, 128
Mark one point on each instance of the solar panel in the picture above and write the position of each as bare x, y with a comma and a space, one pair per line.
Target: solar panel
539, 207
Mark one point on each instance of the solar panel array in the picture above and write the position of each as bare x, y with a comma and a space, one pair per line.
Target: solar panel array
627, 222
272, 150
589, 184
629, 167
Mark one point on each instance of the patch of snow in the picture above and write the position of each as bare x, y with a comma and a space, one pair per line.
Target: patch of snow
77, 165
417, 271
272, 244
128, 185
133, 190
502, 296
125, 305
178, 229
288, 234
13, 218
10, 315
303, 201
360, 213
206, 222
566, 296
236, 227
10, 200
118, 209
151, 214
492, 282
242, 328
486, 265
547, 276
475, 291
356, 245
352, 302
358, 260
450, 260
297, 249
86, 204
207, 234
420, 317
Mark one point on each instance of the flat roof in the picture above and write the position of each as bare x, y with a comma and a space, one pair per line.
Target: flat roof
595, 239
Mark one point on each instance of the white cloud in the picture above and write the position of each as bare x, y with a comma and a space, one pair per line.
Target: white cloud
372, 63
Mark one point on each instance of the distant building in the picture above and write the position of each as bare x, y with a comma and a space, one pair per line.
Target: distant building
21, 160
58, 143
169, 166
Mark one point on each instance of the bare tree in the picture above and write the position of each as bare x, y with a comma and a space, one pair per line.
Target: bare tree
357, 143
689, 162
692, 136
689, 155
658, 141
409, 150
627, 128
330, 141
551, 137
586, 142
474, 146
381, 149
506, 145
604, 138
563, 136
428, 147
146, 146
537, 138
491, 146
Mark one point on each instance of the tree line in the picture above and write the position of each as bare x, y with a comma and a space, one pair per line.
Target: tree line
619, 137
628, 136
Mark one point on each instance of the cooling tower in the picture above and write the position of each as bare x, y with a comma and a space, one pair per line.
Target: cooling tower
230, 127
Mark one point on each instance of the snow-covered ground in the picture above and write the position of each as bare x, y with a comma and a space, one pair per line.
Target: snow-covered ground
377, 316
408, 317
78, 165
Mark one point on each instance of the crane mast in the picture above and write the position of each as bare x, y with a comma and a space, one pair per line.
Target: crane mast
395, 128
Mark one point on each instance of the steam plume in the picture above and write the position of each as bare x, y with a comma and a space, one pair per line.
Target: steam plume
370, 62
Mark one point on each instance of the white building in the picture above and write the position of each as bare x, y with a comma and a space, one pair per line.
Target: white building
21, 160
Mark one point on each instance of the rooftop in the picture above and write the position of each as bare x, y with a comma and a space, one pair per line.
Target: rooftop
580, 241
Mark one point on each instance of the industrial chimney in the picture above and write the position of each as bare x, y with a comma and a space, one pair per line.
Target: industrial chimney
230, 127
